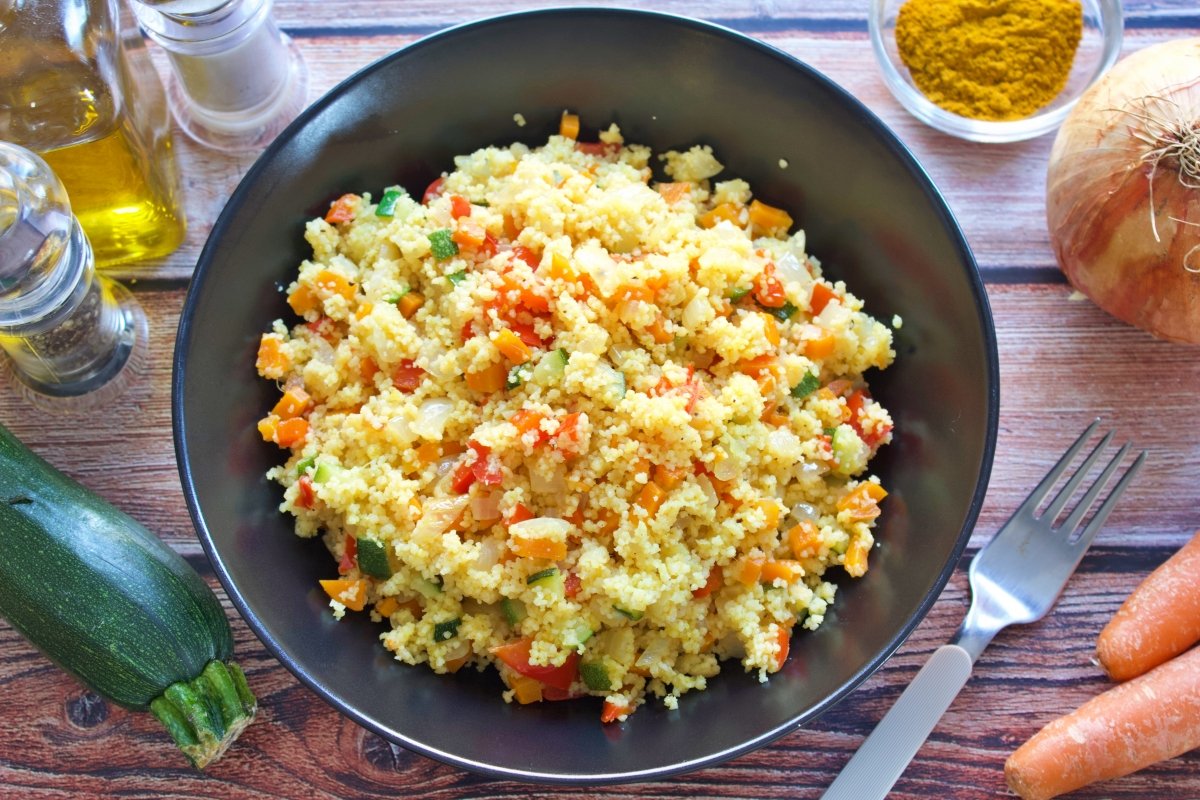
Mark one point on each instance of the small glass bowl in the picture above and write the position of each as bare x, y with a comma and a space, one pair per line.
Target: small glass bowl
1103, 28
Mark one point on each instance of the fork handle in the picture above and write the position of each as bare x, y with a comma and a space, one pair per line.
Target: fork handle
885, 754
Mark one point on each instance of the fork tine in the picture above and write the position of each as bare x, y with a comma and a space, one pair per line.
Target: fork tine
1064, 494
1043, 488
1081, 508
1097, 522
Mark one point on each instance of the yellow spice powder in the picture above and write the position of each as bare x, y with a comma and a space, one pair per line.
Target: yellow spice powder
989, 59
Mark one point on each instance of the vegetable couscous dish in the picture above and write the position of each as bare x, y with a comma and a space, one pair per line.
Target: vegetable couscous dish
599, 431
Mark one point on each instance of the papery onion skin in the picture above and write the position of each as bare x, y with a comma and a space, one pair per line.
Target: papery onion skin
1099, 188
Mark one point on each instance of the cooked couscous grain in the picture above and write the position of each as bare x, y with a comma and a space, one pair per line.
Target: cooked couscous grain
599, 431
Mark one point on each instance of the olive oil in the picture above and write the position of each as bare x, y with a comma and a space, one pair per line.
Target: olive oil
87, 99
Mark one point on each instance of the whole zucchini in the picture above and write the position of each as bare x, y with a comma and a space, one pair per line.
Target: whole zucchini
108, 602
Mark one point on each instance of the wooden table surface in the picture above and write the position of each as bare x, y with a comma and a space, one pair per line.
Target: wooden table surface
1062, 362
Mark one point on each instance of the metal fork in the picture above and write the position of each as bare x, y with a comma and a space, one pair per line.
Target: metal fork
1015, 578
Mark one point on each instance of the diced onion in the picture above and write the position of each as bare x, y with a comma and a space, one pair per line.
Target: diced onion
439, 515
490, 551
697, 312
486, 507
552, 482
398, 426
655, 654
432, 417
789, 268
803, 512
541, 528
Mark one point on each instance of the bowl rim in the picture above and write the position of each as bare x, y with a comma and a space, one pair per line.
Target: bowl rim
886, 138
991, 131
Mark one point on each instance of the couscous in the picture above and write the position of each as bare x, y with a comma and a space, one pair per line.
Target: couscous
599, 431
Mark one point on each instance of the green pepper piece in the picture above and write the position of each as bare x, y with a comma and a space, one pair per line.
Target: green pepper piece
387, 203
442, 244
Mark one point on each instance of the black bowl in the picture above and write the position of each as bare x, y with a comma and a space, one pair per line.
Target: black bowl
873, 218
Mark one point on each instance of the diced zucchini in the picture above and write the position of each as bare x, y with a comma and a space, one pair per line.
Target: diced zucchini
738, 292
550, 368
783, 313
516, 376
807, 385
633, 615
444, 631
578, 635
325, 471
616, 386
305, 465
850, 451
441, 244
542, 576
514, 611
372, 558
394, 297
595, 676
457, 277
427, 588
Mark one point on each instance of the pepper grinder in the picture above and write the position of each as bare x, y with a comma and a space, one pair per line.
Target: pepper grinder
67, 330
236, 80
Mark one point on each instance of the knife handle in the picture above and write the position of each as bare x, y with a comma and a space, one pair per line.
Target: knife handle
885, 754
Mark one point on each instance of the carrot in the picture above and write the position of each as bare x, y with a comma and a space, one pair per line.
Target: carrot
1158, 621
409, 303
568, 126
1151, 718
487, 380
272, 361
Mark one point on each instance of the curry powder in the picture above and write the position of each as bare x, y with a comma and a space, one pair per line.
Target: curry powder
989, 59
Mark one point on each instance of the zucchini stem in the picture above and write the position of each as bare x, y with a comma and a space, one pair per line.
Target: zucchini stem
206, 714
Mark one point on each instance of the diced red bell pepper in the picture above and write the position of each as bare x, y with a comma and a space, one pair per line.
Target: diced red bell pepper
407, 376
459, 206
349, 555
486, 468
566, 438
613, 711
305, 498
519, 513
516, 655
768, 291
433, 191
468, 331
527, 334
528, 256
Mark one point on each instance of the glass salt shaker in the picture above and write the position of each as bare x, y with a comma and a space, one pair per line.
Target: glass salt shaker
236, 80
67, 330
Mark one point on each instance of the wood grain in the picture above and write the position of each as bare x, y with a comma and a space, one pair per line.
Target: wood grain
1062, 363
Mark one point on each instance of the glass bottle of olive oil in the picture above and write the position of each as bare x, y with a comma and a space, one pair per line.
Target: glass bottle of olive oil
87, 99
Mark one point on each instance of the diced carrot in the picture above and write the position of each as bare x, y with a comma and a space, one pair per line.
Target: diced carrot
489, 379
549, 549
862, 502
512, 348
1151, 718
526, 690
804, 540
787, 570
658, 331
429, 452
821, 346
750, 570
674, 192
768, 218
363, 310
1160, 620
291, 432
303, 300
469, 234
822, 293
711, 585
295, 401
387, 606
342, 209
272, 361
770, 329
784, 641
526, 421
727, 212
651, 498
669, 477
334, 283
568, 126
612, 712
409, 304
855, 561
459, 206
770, 511
367, 368
267, 427
351, 594
755, 367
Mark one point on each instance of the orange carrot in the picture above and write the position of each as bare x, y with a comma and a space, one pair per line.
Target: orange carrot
1151, 718
1158, 621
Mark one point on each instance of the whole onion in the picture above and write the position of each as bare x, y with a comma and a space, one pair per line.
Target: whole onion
1123, 191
